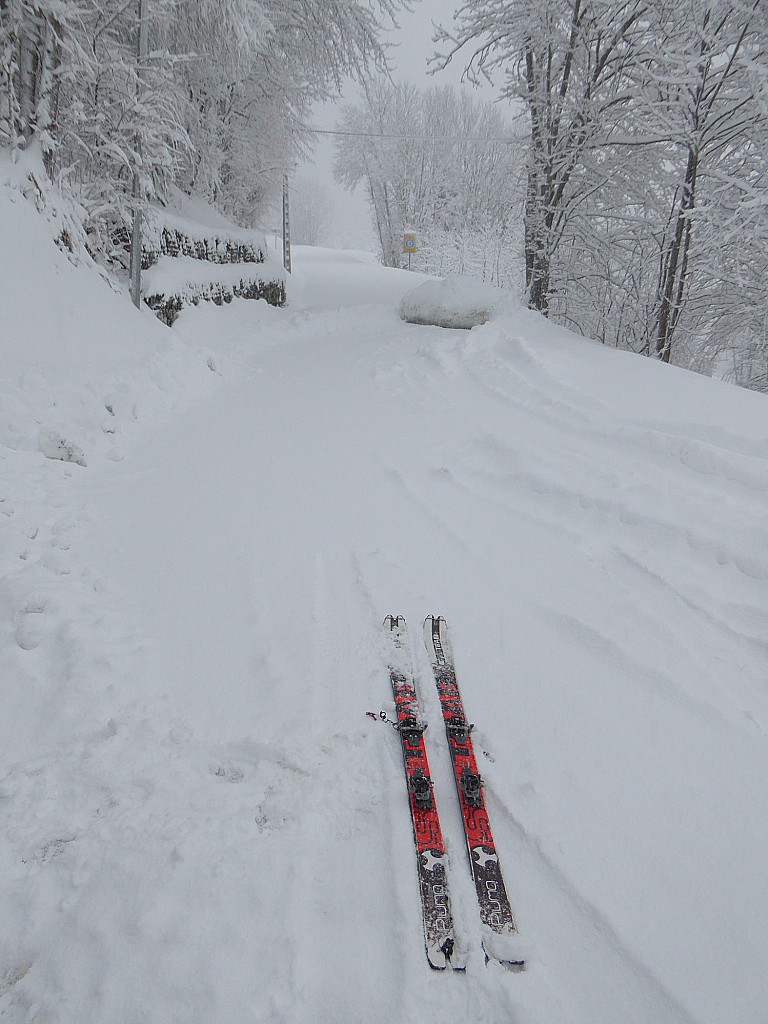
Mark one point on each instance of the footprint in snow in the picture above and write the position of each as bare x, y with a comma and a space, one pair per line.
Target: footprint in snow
32, 626
227, 773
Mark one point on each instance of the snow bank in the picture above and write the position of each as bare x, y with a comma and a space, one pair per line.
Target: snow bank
454, 302
25, 176
79, 363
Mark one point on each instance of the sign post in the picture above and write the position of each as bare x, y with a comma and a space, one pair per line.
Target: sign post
409, 245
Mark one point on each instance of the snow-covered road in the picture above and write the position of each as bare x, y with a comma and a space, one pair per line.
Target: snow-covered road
208, 828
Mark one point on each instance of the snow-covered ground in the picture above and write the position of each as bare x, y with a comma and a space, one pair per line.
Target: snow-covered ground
200, 824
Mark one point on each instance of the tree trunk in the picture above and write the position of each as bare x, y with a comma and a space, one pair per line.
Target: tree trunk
32, 76
537, 257
673, 275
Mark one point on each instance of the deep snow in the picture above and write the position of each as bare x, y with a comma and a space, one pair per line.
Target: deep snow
199, 821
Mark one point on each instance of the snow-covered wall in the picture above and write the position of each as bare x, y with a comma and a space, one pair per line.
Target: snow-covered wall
186, 262
166, 234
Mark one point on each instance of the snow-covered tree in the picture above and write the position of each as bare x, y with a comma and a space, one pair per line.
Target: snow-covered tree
218, 106
564, 61
253, 69
30, 56
439, 162
681, 214
694, 90
116, 116
647, 145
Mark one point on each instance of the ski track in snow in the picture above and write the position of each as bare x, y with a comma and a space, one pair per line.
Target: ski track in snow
202, 824
637, 994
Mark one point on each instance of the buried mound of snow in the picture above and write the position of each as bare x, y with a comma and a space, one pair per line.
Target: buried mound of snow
455, 301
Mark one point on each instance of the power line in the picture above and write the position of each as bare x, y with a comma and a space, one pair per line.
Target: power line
415, 138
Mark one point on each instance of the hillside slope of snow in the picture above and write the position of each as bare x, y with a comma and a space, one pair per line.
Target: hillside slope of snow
201, 823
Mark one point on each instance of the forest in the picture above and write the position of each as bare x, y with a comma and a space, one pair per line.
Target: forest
617, 180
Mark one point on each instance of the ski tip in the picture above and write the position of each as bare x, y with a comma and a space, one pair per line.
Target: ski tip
394, 621
436, 639
434, 624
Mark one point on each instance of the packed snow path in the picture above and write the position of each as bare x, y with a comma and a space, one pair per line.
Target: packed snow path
202, 823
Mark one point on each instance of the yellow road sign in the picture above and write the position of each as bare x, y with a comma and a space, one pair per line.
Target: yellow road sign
409, 242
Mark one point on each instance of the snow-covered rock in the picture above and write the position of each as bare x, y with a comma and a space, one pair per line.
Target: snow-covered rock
455, 301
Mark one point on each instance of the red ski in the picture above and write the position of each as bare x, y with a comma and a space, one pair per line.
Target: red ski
499, 927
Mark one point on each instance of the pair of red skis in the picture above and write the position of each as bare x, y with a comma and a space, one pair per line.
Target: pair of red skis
498, 924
